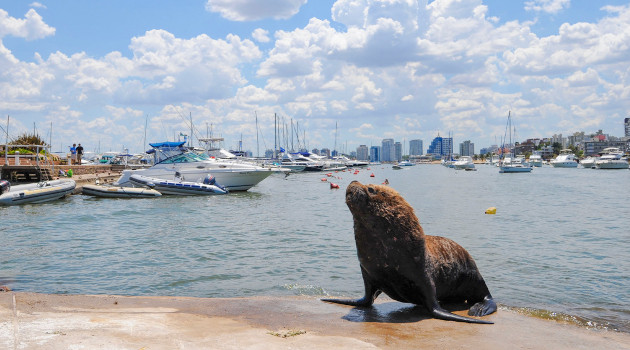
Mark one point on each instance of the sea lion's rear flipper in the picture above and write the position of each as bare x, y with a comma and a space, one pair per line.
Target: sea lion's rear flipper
482, 308
442, 314
371, 292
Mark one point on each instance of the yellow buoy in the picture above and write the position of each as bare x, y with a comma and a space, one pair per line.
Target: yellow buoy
491, 210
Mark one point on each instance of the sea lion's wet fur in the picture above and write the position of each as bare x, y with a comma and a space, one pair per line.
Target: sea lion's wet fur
397, 258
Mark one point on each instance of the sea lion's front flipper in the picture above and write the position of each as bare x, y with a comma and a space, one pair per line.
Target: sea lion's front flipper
482, 308
371, 292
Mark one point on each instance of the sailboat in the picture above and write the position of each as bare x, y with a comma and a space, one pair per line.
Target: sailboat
515, 165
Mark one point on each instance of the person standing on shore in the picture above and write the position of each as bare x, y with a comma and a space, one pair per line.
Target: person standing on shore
79, 154
73, 154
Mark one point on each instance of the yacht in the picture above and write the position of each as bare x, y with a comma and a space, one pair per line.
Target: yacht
535, 160
589, 162
464, 162
172, 160
566, 159
612, 159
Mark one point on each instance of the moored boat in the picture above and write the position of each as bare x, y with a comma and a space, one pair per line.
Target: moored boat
566, 159
173, 157
464, 162
34, 193
612, 158
177, 186
119, 192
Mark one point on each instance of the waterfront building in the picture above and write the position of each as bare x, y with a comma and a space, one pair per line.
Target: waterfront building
467, 148
363, 153
626, 123
324, 152
398, 151
388, 151
595, 147
415, 148
375, 154
441, 146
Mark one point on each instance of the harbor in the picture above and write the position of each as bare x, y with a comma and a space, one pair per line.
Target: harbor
546, 250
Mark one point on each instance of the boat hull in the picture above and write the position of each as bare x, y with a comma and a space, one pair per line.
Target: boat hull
514, 169
233, 180
37, 193
119, 192
564, 164
620, 164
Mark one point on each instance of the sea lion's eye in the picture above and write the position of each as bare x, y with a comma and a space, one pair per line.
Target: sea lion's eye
371, 190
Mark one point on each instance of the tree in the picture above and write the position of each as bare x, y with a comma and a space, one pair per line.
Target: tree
28, 139
557, 147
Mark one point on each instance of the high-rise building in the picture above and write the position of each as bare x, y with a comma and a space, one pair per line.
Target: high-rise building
375, 154
362, 153
415, 148
388, 151
467, 148
626, 122
397, 151
441, 146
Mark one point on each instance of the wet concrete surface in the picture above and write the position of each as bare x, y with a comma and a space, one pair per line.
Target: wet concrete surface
43, 321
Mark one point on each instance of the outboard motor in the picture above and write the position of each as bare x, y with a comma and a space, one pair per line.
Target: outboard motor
5, 186
209, 180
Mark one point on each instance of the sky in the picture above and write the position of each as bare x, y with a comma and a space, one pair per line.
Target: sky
337, 74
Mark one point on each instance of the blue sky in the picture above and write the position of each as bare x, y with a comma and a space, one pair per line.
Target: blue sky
399, 69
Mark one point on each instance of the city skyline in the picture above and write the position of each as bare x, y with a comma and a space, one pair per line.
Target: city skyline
349, 72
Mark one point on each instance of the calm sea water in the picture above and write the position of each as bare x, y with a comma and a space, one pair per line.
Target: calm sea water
560, 241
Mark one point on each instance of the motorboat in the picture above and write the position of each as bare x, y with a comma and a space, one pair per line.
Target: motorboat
171, 158
178, 186
35, 192
589, 162
566, 159
119, 191
535, 160
464, 162
612, 158
406, 163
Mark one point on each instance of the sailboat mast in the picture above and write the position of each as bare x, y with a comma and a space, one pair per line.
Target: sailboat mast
257, 145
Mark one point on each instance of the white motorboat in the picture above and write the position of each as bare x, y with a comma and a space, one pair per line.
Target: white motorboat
464, 162
34, 193
612, 158
535, 160
119, 191
405, 163
171, 158
177, 186
566, 159
589, 162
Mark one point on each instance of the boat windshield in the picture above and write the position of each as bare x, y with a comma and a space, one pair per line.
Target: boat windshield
183, 158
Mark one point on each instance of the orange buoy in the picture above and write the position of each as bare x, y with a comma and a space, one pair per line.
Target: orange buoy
324, 179
333, 185
372, 175
329, 174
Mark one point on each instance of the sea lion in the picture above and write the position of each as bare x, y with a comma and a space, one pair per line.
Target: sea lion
397, 258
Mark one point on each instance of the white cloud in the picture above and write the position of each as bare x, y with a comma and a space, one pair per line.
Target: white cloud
31, 27
548, 6
37, 5
253, 10
261, 35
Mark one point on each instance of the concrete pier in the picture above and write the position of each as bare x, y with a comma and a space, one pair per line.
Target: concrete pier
42, 321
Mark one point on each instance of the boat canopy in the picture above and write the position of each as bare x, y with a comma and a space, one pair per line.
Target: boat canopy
167, 144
